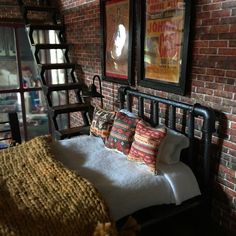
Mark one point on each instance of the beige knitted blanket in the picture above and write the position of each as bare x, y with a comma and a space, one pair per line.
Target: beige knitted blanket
38, 196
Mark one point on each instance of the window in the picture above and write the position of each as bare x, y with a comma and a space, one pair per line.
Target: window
20, 88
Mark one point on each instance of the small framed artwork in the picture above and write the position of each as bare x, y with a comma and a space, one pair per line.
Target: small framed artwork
117, 39
163, 44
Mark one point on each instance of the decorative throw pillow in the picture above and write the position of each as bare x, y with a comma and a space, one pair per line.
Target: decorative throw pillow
102, 123
122, 133
171, 147
147, 140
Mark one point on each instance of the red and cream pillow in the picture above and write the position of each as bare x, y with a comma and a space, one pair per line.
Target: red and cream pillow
144, 149
122, 133
102, 123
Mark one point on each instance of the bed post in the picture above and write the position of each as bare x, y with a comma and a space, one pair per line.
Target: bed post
207, 129
121, 95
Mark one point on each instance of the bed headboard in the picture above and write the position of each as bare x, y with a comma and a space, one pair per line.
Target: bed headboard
195, 121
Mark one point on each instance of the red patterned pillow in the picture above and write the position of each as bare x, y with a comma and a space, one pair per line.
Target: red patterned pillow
145, 146
102, 123
122, 133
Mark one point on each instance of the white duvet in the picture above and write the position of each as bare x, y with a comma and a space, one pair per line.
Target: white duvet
125, 185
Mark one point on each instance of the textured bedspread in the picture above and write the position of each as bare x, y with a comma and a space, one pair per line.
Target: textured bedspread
38, 196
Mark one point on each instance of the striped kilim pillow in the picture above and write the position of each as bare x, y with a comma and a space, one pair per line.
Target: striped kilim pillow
102, 123
122, 133
145, 146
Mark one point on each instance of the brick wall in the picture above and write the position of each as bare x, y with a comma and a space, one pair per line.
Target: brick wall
212, 80
9, 9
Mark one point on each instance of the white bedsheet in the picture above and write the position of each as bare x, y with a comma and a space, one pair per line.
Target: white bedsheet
126, 186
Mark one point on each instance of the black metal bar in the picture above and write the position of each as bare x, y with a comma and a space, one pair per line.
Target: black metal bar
129, 102
159, 99
191, 128
155, 113
15, 127
140, 107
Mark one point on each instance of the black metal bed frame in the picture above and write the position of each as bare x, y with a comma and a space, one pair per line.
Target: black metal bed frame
197, 156
193, 117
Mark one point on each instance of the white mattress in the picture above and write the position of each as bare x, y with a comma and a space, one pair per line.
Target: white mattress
126, 186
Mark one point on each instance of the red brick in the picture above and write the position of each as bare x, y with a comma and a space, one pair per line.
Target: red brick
232, 43
231, 179
226, 170
208, 51
199, 70
225, 51
207, 21
231, 117
220, 28
211, 7
204, 91
233, 12
227, 36
232, 28
228, 20
230, 144
230, 88
202, 2
230, 192
231, 73
200, 43
218, 44
212, 99
214, 86
230, 4
221, 13
211, 71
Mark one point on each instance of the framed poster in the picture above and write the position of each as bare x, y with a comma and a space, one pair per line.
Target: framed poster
117, 37
163, 44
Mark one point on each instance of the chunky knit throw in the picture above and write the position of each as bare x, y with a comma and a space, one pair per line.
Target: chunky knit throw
38, 196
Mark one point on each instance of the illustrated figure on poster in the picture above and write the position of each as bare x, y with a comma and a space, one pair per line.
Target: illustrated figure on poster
119, 39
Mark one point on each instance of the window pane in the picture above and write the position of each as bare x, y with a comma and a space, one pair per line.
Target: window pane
28, 65
34, 102
10, 102
4, 127
36, 114
5, 134
8, 65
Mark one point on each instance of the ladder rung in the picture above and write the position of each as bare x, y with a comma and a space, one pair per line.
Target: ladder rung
56, 110
59, 87
67, 133
51, 46
57, 66
45, 27
39, 8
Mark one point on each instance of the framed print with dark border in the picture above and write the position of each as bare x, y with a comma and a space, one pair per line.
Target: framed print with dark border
117, 37
163, 44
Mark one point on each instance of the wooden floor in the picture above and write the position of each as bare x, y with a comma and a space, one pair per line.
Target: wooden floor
184, 225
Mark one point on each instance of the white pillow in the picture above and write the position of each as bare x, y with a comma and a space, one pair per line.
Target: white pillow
129, 113
171, 147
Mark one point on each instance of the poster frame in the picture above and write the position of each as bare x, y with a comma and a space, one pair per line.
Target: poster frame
162, 83
126, 78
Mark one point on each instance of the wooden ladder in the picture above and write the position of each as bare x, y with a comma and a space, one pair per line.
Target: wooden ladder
55, 23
